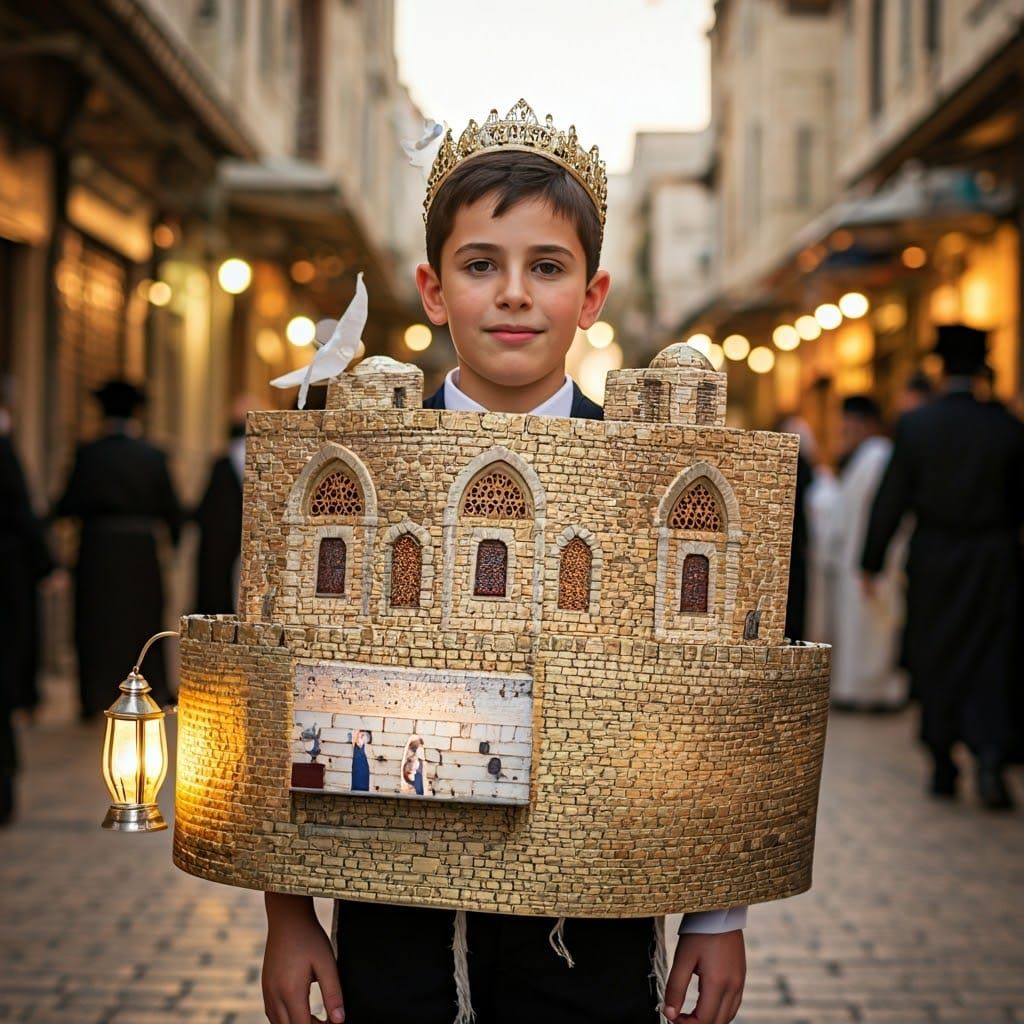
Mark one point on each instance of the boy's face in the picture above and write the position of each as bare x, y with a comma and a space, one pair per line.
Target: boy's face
512, 289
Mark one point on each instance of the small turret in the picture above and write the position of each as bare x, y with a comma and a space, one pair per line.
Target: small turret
680, 386
379, 382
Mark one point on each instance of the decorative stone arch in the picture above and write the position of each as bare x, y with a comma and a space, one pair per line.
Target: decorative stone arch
562, 541
314, 471
722, 487
407, 526
450, 523
486, 460
722, 578
299, 523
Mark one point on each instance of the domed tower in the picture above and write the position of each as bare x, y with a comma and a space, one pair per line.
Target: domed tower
379, 382
680, 386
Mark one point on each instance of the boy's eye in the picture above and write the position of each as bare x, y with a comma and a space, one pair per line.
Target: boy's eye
547, 268
478, 266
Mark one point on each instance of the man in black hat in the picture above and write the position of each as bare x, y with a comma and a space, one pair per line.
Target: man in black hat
958, 466
121, 491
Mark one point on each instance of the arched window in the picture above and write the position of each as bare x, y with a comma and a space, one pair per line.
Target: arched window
574, 576
330, 568
495, 495
491, 577
697, 510
337, 495
406, 572
694, 591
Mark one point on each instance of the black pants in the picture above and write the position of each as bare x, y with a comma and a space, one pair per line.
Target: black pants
396, 963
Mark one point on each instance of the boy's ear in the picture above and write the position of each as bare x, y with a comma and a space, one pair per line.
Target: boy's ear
593, 301
429, 286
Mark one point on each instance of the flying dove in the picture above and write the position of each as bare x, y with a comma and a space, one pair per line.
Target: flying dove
332, 359
421, 153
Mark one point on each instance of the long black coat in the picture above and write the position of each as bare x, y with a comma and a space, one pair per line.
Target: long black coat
24, 560
958, 466
219, 517
121, 491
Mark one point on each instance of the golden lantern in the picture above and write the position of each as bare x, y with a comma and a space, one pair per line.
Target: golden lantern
135, 754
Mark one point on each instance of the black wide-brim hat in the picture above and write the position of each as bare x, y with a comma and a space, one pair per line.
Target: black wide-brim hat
119, 397
961, 348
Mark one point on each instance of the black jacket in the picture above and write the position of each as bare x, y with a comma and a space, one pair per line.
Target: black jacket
582, 407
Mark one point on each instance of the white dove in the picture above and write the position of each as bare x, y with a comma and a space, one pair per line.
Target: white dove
421, 153
333, 358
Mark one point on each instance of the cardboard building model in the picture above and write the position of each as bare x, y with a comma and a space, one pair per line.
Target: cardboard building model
506, 662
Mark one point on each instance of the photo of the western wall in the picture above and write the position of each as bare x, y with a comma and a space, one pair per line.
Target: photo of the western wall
397, 732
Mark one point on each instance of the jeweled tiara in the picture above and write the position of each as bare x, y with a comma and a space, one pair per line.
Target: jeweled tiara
520, 130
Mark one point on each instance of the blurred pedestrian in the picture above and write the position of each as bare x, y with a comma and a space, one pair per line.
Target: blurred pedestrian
916, 392
219, 517
820, 497
958, 466
865, 672
121, 492
26, 560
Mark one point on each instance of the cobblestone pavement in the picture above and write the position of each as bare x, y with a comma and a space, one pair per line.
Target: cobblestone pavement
915, 915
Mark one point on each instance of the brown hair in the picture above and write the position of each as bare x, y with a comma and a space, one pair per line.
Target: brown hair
513, 177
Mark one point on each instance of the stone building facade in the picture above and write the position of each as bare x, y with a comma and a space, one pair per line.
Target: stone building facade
541, 661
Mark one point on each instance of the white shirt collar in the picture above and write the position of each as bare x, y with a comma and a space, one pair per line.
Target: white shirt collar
559, 404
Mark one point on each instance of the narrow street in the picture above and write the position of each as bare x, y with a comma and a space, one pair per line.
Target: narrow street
915, 914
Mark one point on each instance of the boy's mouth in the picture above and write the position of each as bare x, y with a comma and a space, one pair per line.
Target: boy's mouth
512, 334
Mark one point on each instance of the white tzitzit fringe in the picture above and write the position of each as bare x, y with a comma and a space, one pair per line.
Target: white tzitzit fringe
460, 951
557, 940
659, 962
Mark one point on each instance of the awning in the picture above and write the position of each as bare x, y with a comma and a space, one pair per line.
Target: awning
916, 207
281, 208
113, 80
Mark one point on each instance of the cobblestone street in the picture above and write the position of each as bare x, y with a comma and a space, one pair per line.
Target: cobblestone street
915, 913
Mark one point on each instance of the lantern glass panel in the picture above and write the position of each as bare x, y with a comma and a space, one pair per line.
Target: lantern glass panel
121, 761
155, 757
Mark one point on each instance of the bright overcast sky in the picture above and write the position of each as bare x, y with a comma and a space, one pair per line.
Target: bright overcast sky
612, 67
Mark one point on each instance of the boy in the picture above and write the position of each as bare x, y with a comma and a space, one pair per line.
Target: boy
513, 242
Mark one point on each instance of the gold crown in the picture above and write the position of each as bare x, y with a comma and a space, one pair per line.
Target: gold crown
520, 130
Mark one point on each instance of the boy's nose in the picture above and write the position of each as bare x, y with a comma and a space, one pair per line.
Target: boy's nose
514, 293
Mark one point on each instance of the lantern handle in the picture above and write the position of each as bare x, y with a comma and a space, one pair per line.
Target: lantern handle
136, 670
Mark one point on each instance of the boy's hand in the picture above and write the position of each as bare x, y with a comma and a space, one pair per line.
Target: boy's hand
298, 953
721, 964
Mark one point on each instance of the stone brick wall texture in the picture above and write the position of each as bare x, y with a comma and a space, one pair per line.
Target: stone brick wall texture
675, 765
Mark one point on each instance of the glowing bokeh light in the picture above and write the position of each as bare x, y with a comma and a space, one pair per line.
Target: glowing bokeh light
736, 347
914, 257
786, 337
601, 334
854, 305
829, 316
418, 337
300, 331
160, 293
761, 359
808, 328
234, 276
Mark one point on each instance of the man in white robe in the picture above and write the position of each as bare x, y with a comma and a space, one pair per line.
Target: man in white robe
866, 627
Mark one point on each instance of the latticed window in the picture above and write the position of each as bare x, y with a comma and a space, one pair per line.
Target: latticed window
330, 567
697, 510
406, 572
336, 495
491, 569
574, 576
694, 596
495, 495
